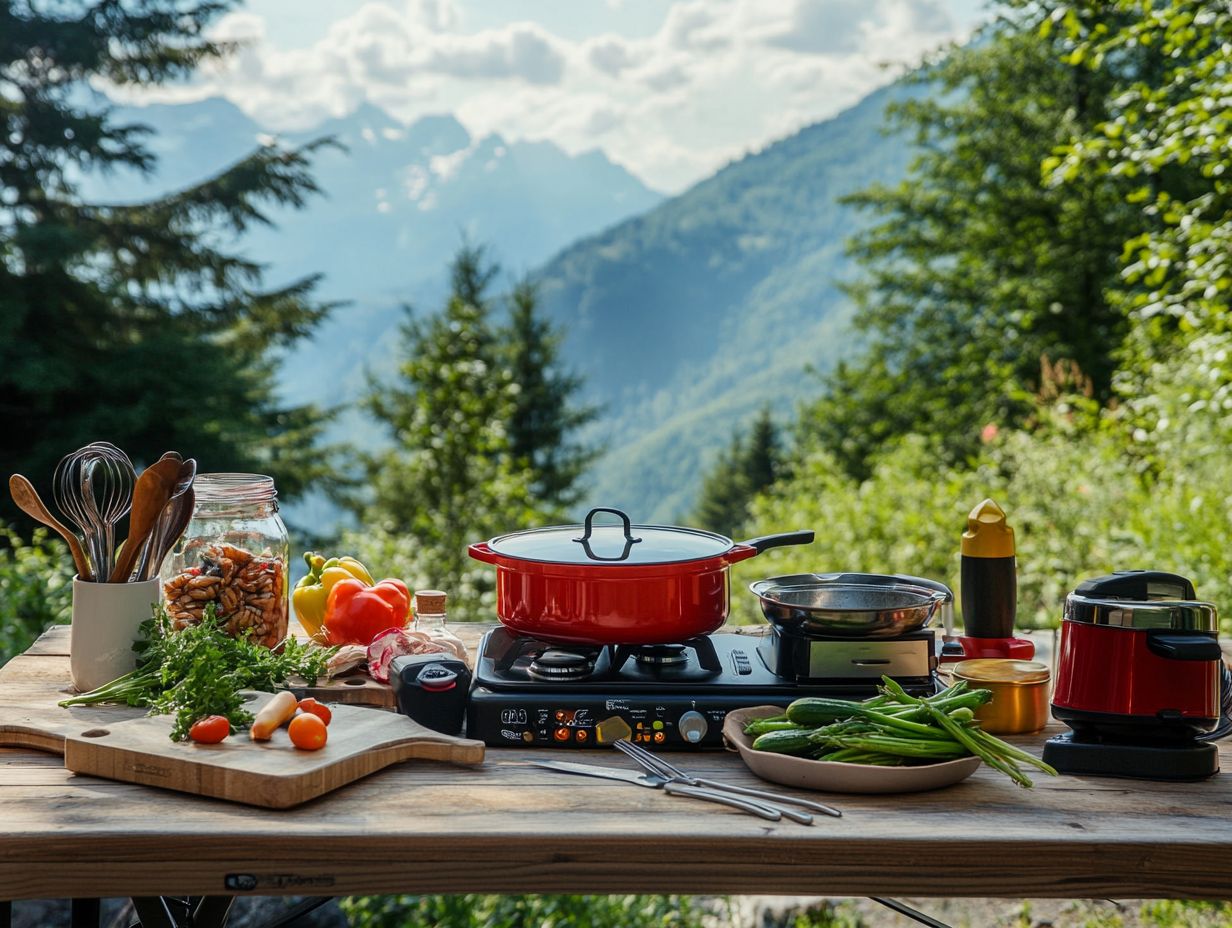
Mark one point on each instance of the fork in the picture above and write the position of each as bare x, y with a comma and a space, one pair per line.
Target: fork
657, 765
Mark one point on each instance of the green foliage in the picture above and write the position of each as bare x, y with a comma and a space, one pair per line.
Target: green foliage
974, 268
470, 412
748, 466
1168, 134
1169, 913
1078, 502
135, 322
544, 419
36, 588
474, 911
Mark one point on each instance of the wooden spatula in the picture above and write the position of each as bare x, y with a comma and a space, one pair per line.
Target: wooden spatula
154, 487
29, 502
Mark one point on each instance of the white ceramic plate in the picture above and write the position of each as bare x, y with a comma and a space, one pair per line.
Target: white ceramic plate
837, 777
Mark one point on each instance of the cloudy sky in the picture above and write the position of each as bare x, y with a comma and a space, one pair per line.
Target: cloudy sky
670, 90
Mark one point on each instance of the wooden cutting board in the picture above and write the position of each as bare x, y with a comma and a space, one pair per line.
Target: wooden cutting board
273, 774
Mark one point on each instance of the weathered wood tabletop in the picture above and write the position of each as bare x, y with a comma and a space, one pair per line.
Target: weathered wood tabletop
512, 828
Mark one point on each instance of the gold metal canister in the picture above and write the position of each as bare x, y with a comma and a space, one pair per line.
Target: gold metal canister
1019, 701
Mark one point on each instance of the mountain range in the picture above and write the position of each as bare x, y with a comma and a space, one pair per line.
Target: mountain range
684, 314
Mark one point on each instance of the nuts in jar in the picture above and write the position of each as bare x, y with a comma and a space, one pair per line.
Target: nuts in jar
248, 592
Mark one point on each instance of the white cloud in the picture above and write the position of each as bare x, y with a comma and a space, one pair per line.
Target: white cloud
718, 78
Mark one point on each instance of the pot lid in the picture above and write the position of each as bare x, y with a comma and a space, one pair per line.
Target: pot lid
620, 544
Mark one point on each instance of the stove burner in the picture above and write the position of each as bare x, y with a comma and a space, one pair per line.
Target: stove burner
561, 665
663, 655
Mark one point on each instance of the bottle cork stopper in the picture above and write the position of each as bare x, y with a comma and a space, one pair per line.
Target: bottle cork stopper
430, 602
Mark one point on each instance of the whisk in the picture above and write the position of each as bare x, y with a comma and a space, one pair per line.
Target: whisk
93, 488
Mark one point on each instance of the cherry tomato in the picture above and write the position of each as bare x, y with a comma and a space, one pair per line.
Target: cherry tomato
320, 710
210, 730
308, 732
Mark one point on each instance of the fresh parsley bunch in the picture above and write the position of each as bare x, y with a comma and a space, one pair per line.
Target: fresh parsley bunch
201, 671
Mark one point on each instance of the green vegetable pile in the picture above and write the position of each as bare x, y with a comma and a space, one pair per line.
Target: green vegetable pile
201, 670
892, 729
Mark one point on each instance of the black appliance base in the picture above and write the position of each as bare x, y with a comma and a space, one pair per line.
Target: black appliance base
1191, 761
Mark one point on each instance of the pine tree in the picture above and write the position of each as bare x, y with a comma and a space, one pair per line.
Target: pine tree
135, 323
544, 419
745, 468
451, 477
977, 266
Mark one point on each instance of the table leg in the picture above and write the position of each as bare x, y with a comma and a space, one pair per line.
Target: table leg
153, 912
914, 914
6, 914
288, 918
212, 912
86, 912
173, 912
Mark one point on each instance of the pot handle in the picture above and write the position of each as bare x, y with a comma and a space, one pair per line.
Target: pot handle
762, 542
584, 541
481, 552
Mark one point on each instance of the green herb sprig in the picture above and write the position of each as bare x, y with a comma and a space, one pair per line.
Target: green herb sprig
202, 670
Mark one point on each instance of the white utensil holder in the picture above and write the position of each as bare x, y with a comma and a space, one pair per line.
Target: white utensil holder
106, 619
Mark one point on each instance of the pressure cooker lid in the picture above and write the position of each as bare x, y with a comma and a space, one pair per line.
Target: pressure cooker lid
620, 543
1141, 599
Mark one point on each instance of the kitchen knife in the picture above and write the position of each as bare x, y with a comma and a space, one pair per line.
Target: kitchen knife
673, 788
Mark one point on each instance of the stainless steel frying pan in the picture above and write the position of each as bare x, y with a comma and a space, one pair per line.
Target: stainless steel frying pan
851, 605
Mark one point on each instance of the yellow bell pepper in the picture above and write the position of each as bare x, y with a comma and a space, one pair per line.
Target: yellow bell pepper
310, 594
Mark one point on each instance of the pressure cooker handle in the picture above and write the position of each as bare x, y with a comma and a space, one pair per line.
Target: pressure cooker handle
763, 542
1184, 647
1142, 585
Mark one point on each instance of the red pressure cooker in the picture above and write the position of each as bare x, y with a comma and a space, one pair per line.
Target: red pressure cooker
1140, 679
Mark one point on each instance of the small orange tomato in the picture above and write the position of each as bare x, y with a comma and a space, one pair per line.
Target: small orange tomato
210, 730
320, 710
308, 732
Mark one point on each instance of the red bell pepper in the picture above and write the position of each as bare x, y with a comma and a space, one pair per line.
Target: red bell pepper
355, 613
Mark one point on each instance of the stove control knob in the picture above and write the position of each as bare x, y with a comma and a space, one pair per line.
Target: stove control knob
692, 727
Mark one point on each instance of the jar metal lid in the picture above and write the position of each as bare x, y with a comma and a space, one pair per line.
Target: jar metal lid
1002, 670
231, 488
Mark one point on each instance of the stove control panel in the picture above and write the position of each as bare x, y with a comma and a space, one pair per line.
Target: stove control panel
507, 720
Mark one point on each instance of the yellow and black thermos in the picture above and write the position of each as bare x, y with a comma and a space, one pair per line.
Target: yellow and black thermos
990, 586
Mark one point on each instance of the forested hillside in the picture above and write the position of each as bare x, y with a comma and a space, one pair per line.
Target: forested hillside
688, 319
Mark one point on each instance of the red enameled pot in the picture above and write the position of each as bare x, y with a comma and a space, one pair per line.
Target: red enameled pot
617, 584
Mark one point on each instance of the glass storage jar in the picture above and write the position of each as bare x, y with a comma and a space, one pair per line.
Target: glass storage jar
233, 556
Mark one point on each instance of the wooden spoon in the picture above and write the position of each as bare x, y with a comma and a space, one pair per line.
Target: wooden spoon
157, 546
182, 508
154, 487
29, 502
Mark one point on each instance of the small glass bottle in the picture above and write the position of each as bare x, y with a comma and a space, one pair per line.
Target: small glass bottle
232, 557
429, 610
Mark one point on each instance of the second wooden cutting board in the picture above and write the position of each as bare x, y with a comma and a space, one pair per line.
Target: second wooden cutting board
273, 774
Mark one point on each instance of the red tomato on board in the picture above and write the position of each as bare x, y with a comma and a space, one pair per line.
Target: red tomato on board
210, 730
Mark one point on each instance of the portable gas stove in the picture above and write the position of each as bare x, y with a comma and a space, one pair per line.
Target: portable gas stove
532, 692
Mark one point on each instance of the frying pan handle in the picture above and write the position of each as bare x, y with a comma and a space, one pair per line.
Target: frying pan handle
763, 542
481, 552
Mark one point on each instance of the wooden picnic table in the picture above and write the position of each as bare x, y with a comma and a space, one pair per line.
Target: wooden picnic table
507, 827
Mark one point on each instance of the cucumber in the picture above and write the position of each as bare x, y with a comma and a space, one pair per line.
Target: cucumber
814, 710
761, 726
784, 742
